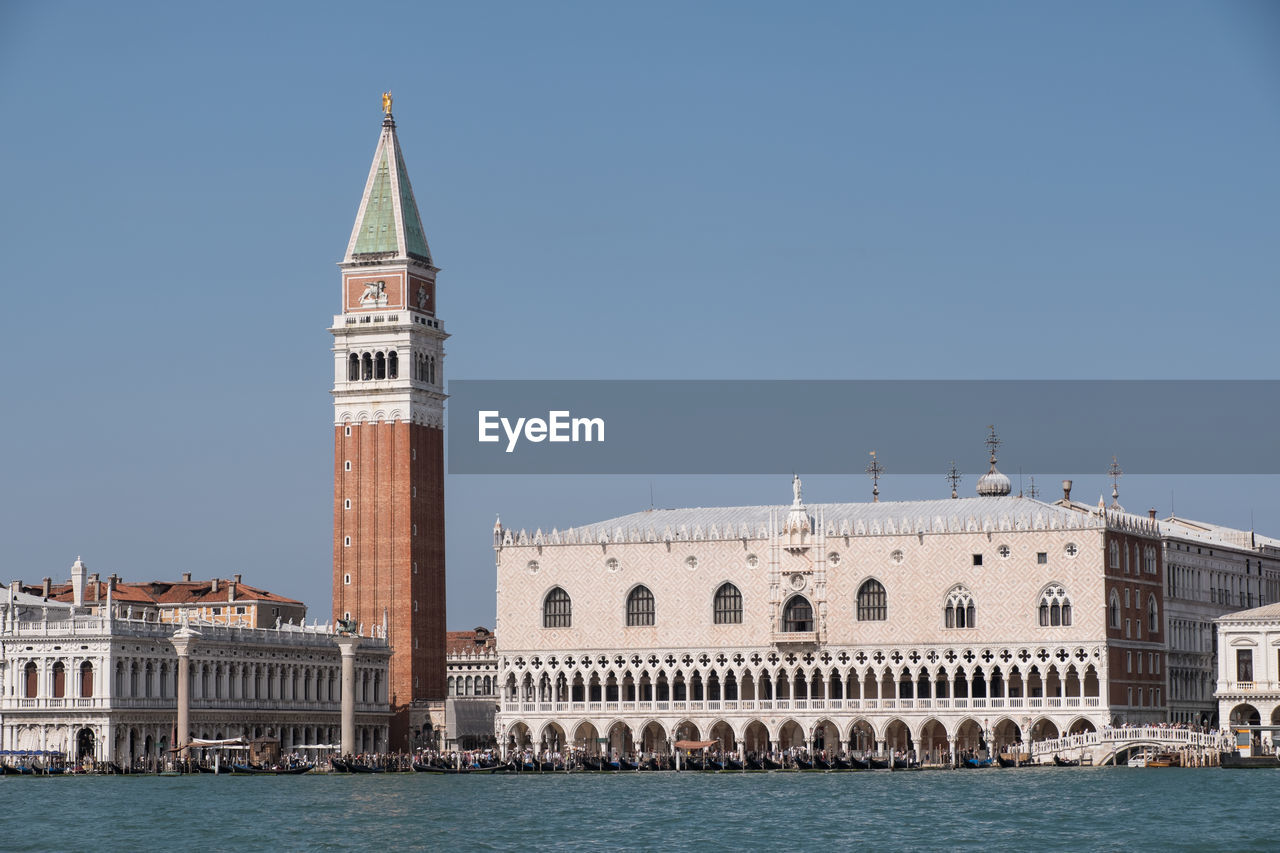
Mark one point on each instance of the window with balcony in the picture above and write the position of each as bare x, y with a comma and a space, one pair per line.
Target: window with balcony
797, 615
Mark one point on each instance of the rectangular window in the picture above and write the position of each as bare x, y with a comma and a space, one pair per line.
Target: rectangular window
275, 611
240, 610
346, 541
1128, 661
346, 504
346, 466
1139, 663
1042, 557
1126, 597
346, 580
1244, 664
1127, 629
1130, 701
217, 611
1157, 696
977, 559
348, 433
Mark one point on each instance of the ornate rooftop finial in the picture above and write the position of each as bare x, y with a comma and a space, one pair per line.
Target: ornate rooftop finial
795, 490
1115, 473
874, 470
954, 477
386, 103
993, 483
1032, 491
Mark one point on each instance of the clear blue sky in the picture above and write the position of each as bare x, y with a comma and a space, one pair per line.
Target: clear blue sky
924, 190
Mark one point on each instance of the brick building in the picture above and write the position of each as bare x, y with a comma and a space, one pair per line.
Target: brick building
388, 509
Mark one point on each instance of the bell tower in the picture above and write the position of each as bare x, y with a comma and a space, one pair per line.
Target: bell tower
388, 472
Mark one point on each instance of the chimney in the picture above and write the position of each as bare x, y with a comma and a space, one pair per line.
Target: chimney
46, 588
1066, 490
15, 587
112, 580
77, 582
93, 582
186, 577
1151, 513
213, 585
231, 589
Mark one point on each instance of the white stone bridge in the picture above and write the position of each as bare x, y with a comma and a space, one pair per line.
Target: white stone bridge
1115, 745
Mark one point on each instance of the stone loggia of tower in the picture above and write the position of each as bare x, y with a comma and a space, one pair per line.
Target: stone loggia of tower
388, 475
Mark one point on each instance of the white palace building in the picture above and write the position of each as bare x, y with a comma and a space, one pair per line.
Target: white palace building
90, 669
938, 626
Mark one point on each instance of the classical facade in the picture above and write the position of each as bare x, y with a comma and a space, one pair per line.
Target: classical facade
930, 625
99, 680
1248, 675
473, 688
1211, 571
388, 394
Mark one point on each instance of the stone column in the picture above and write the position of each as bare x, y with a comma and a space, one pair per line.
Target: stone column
347, 646
182, 641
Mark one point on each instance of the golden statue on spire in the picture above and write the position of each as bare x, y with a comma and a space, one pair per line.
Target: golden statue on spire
386, 103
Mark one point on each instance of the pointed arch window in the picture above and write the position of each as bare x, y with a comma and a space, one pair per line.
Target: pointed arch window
1055, 608
640, 607
797, 616
872, 602
960, 611
1114, 553
557, 609
1153, 615
728, 605
1113, 611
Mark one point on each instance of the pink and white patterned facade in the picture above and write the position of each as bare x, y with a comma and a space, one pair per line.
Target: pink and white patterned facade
932, 625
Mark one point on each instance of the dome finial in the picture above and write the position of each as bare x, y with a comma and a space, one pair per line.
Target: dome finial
993, 483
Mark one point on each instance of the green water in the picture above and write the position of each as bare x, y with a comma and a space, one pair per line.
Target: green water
1042, 809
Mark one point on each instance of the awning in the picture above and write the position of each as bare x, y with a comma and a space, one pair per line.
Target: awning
696, 744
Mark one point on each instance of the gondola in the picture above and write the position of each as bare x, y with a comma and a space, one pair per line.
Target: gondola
802, 764
770, 764
878, 763
222, 769
754, 764
859, 763
977, 763
841, 764
1008, 762
249, 770
1065, 762
732, 764
820, 763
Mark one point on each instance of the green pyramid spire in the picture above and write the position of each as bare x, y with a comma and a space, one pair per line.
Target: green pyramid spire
388, 222
378, 225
